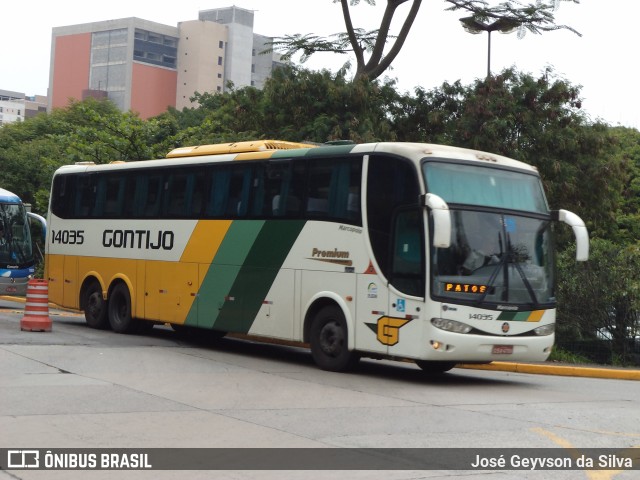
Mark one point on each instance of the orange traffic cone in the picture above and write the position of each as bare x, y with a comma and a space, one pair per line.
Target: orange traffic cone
36, 309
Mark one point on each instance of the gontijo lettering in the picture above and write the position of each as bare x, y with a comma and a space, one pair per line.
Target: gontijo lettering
142, 239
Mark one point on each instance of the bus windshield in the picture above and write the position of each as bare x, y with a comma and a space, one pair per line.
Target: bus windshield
485, 186
495, 258
501, 247
15, 237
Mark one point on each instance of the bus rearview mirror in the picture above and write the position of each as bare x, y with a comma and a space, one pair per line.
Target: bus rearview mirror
580, 232
441, 220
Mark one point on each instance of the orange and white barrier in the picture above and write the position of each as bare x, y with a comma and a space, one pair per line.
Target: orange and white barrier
36, 309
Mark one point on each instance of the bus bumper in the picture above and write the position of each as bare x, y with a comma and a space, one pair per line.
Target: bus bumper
10, 285
455, 347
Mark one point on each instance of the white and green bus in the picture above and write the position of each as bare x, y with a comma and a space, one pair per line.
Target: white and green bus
436, 254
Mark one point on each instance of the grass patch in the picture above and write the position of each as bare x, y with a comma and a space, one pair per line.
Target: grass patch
564, 356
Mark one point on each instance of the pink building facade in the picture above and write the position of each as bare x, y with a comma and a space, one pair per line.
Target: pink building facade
130, 61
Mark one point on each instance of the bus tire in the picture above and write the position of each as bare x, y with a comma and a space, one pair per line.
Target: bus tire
95, 308
329, 341
435, 368
119, 308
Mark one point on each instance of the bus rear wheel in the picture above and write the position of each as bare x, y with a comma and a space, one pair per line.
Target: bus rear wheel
329, 341
95, 308
435, 368
119, 308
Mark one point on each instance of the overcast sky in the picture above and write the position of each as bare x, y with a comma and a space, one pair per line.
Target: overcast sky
604, 61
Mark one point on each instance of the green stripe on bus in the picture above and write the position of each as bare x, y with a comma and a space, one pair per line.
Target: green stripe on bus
514, 316
223, 271
257, 274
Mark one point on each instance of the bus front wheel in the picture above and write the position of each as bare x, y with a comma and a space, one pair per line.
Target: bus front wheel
119, 310
329, 344
95, 308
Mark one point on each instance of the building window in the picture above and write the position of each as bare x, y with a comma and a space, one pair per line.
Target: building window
221, 44
219, 75
219, 60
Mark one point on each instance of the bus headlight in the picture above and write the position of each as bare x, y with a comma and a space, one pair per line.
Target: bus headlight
545, 330
450, 325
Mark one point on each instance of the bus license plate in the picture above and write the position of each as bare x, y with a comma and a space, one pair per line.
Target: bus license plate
502, 349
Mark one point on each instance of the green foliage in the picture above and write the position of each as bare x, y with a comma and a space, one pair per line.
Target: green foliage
600, 299
321, 106
628, 216
295, 104
536, 120
87, 131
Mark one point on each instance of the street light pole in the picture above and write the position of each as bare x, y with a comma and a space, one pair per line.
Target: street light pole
475, 26
488, 53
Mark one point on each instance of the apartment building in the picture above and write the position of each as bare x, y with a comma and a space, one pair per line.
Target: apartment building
131, 61
16, 106
146, 66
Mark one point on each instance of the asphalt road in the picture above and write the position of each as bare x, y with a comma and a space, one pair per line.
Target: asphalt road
75, 387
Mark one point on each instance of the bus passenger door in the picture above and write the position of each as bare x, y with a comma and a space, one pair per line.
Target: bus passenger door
404, 334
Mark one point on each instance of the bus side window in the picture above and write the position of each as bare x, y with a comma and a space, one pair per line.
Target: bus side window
285, 189
63, 196
319, 185
177, 195
111, 198
150, 195
344, 197
128, 209
196, 199
240, 190
85, 196
229, 190
334, 190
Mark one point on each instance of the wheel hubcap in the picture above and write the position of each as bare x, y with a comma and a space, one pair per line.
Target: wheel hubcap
331, 339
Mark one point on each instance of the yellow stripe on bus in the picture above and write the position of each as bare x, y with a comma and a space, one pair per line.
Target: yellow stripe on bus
205, 241
536, 316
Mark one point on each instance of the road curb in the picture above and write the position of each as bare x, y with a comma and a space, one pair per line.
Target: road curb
562, 370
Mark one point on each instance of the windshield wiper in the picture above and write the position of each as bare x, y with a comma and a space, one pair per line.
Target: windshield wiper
508, 258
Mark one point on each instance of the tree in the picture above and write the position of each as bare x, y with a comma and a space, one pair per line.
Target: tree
628, 218
536, 18
87, 131
321, 106
600, 299
537, 120
295, 104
